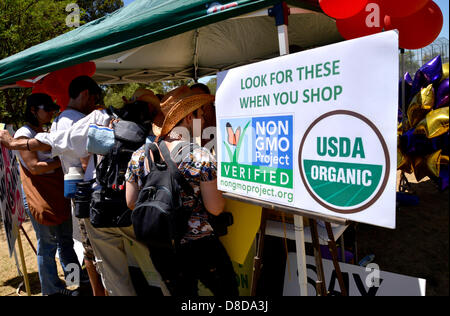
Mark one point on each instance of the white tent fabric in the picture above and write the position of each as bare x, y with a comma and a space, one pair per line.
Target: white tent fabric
216, 47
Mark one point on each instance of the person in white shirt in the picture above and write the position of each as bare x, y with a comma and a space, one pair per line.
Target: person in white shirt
84, 95
108, 243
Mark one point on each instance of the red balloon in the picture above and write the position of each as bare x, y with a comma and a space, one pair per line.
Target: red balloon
419, 29
367, 22
56, 84
402, 8
342, 9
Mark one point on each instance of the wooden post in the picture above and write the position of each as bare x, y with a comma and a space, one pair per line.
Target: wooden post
320, 283
24, 266
334, 254
301, 255
29, 240
257, 262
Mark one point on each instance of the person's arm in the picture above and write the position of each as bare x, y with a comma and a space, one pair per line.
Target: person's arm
132, 193
35, 166
73, 139
85, 162
213, 199
135, 168
22, 144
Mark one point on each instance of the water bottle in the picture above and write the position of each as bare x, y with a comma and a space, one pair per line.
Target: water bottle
71, 179
83, 197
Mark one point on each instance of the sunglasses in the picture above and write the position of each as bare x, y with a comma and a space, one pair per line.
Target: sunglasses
47, 108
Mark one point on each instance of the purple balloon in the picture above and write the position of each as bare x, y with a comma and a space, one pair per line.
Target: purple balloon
441, 142
432, 70
443, 177
418, 145
415, 144
400, 116
442, 95
408, 84
429, 73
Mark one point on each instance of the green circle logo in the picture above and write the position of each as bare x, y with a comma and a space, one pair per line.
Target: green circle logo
344, 162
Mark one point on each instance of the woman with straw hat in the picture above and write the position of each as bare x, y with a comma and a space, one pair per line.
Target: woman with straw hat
200, 254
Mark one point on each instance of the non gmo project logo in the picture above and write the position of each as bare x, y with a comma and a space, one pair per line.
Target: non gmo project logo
344, 162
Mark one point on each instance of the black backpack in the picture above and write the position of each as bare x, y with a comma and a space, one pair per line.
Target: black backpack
159, 218
107, 207
130, 133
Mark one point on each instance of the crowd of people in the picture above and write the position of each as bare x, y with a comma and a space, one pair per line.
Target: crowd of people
47, 157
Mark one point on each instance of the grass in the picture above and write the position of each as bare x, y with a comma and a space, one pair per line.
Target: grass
9, 277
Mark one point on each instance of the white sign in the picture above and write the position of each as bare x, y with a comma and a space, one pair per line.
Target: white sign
11, 202
359, 281
316, 130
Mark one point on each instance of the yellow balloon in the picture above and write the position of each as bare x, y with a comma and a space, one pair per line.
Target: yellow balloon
435, 161
420, 105
420, 168
403, 162
434, 124
444, 71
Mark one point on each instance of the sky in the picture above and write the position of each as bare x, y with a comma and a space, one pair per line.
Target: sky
443, 4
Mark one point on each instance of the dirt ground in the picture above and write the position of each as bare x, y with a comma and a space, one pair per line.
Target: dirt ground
418, 247
9, 279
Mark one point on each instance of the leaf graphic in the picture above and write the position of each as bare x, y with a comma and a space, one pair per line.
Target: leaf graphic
230, 155
238, 146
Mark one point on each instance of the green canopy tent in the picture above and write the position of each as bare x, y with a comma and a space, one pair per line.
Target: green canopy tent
153, 40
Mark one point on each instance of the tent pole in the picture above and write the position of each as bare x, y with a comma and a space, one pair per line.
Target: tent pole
283, 39
196, 56
281, 12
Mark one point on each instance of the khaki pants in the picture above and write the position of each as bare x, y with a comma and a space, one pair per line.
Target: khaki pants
110, 247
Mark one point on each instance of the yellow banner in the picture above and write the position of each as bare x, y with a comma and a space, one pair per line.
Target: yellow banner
247, 219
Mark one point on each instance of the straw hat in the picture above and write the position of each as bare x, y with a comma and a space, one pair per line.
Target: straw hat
175, 106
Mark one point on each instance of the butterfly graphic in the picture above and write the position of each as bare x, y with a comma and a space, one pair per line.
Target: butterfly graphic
233, 137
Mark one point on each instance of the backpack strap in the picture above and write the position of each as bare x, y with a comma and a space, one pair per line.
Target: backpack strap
174, 169
156, 162
177, 152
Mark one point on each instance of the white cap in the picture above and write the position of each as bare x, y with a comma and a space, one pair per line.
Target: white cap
75, 173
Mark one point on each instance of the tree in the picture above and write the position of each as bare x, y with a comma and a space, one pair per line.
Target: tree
212, 85
411, 63
25, 23
114, 93
94, 9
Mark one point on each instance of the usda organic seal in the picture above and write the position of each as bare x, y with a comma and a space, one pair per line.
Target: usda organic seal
344, 162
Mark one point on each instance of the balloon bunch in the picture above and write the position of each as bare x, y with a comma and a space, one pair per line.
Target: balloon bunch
419, 22
424, 127
56, 84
